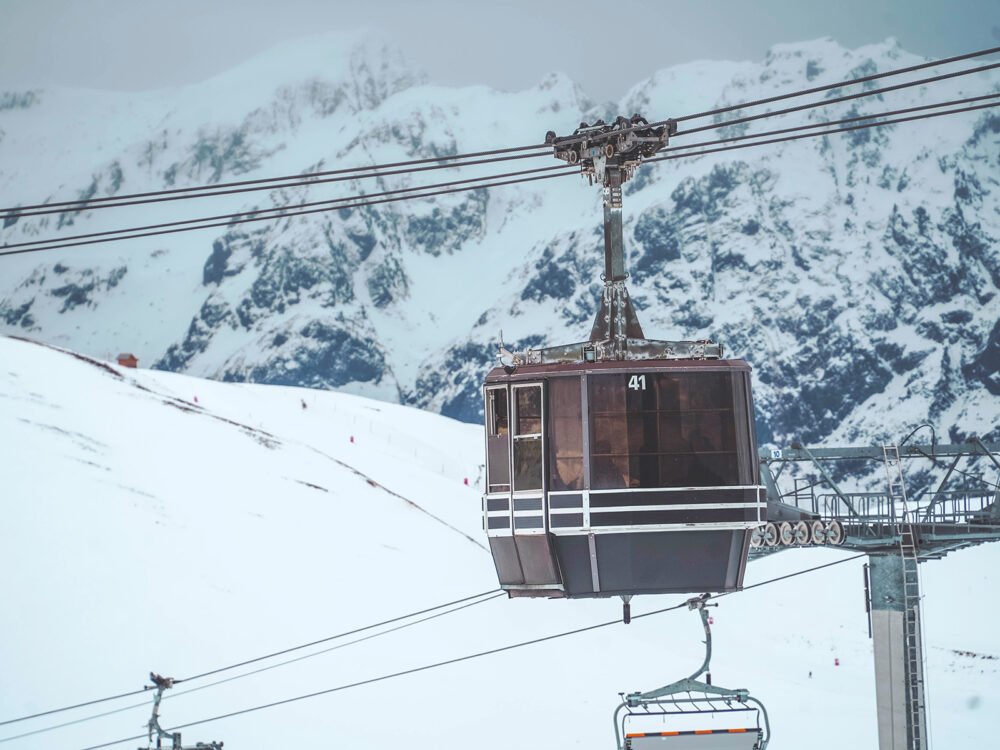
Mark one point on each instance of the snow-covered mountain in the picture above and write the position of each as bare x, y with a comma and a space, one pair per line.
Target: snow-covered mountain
158, 521
859, 273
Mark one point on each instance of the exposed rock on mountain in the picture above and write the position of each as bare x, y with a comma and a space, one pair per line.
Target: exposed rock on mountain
858, 273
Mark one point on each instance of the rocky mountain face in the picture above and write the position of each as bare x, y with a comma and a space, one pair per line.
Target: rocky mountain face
858, 273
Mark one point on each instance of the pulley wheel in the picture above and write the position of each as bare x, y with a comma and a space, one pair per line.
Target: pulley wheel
785, 534
757, 537
800, 530
573, 156
818, 532
770, 535
609, 150
834, 533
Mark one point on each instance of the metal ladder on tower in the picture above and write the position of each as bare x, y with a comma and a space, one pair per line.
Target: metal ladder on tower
914, 666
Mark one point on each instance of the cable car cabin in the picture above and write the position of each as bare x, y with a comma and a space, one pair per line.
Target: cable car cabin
610, 478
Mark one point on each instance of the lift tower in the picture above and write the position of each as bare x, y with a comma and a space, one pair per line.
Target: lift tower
897, 532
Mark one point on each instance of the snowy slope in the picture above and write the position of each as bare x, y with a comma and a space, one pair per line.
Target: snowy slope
864, 263
157, 521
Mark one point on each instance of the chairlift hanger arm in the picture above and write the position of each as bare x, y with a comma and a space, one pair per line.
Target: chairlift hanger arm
689, 685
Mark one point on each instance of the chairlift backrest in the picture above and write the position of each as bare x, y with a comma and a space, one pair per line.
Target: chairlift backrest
702, 739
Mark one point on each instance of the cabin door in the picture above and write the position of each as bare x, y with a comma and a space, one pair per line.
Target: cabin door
515, 500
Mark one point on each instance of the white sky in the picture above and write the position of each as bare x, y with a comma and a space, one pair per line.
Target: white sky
509, 44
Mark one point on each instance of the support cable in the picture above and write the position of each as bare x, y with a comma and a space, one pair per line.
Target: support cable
327, 650
829, 123
814, 90
280, 211
469, 657
251, 661
839, 99
835, 131
265, 183
683, 152
839, 84
120, 201
301, 179
285, 214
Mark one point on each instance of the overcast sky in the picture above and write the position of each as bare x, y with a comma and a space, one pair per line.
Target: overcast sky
509, 44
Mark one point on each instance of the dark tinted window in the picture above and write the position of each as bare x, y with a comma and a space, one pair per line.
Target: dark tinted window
565, 434
528, 463
667, 430
527, 437
497, 440
529, 410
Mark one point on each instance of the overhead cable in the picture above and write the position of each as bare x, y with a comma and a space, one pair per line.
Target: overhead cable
178, 693
839, 84
427, 192
289, 214
814, 90
278, 211
829, 123
837, 100
120, 201
329, 638
467, 657
835, 131
250, 661
308, 178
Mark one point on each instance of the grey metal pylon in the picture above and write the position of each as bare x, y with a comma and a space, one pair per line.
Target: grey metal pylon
899, 662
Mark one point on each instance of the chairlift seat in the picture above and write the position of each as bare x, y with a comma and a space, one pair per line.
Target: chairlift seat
702, 739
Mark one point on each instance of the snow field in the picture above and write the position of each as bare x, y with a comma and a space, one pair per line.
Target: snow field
143, 530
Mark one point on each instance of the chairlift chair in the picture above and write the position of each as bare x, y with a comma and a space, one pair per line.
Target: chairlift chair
733, 719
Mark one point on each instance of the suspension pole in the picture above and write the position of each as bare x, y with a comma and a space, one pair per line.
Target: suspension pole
614, 246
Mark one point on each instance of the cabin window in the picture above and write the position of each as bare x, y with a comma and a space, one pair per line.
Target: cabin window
497, 440
565, 434
527, 437
664, 430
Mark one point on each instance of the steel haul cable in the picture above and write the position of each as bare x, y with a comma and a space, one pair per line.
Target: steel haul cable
254, 660
18, 213
194, 224
281, 214
268, 668
838, 100
565, 167
287, 214
840, 84
817, 89
303, 179
835, 131
467, 657
829, 123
